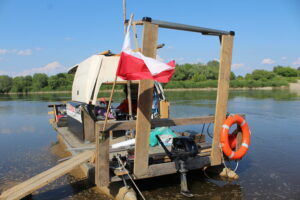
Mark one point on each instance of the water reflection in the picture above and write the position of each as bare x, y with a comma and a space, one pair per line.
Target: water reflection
270, 170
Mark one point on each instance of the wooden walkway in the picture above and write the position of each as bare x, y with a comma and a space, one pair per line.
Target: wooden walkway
27, 187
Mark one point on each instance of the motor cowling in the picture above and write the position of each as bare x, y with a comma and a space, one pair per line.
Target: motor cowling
184, 147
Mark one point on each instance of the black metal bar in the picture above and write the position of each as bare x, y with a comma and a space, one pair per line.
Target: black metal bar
184, 27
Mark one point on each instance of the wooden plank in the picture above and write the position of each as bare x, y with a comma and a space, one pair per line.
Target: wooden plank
55, 112
222, 96
169, 168
144, 109
164, 109
131, 124
102, 158
88, 127
25, 188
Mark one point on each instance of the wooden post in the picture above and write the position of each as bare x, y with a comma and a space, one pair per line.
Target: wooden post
145, 99
222, 96
102, 178
88, 127
55, 112
102, 158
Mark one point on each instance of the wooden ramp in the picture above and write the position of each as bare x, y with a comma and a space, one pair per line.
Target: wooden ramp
27, 187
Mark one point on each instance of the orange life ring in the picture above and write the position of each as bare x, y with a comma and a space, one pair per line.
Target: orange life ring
227, 144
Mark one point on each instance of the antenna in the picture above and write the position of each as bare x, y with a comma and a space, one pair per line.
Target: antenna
124, 14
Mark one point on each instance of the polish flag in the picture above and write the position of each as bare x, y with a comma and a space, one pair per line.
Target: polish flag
136, 66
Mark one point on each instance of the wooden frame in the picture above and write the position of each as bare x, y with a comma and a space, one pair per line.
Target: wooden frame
144, 107
222, 96
143, 124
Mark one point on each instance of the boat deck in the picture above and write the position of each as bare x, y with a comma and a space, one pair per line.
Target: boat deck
75, 146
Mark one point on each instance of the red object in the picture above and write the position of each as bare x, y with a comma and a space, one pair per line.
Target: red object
232, 140
227, 143
123, 107
133, 68
58, 117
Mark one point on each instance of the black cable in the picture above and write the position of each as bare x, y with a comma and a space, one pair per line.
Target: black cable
207, 131
203, 126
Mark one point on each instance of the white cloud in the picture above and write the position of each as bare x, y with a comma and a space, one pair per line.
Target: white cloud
25, 52
21, 52
3, 51
50, 68
297, 62
198, 60
283, 58
267, 61
237, 65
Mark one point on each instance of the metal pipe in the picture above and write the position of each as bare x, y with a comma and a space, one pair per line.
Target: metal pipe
184, 27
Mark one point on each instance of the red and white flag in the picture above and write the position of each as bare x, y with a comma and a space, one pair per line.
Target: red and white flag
136, 66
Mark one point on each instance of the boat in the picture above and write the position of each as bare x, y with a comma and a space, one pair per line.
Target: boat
111, 145
188, 151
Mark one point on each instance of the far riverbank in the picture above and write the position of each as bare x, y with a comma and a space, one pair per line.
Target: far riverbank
292, 85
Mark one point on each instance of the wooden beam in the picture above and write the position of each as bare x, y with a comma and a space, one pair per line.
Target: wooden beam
164, 109
88, 127
27, 187
166, 168
144, 109
222, 96
102, 158
131, 124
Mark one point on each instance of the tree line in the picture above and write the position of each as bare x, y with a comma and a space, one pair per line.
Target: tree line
185, 76
206, 75
37, 82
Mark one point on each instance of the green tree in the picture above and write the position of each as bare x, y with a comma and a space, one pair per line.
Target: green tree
18, 84
39, 81
285, 71
27, 83
53, 82
5, 83
61, 81
261, 74
179, 73
232, 76
213, 63
198, 77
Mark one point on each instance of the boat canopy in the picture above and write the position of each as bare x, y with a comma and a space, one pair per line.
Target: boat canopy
89, 76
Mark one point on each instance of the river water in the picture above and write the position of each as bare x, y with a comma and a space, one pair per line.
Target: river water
270, 170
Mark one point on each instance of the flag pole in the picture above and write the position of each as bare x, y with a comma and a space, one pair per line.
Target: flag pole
111, 95
128, 83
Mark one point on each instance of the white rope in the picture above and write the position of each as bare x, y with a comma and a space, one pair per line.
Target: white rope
118, 157
223, 160
237, 165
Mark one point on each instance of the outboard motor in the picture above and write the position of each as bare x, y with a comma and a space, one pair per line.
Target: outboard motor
183, 148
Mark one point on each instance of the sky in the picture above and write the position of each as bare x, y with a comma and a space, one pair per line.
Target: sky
51, 36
